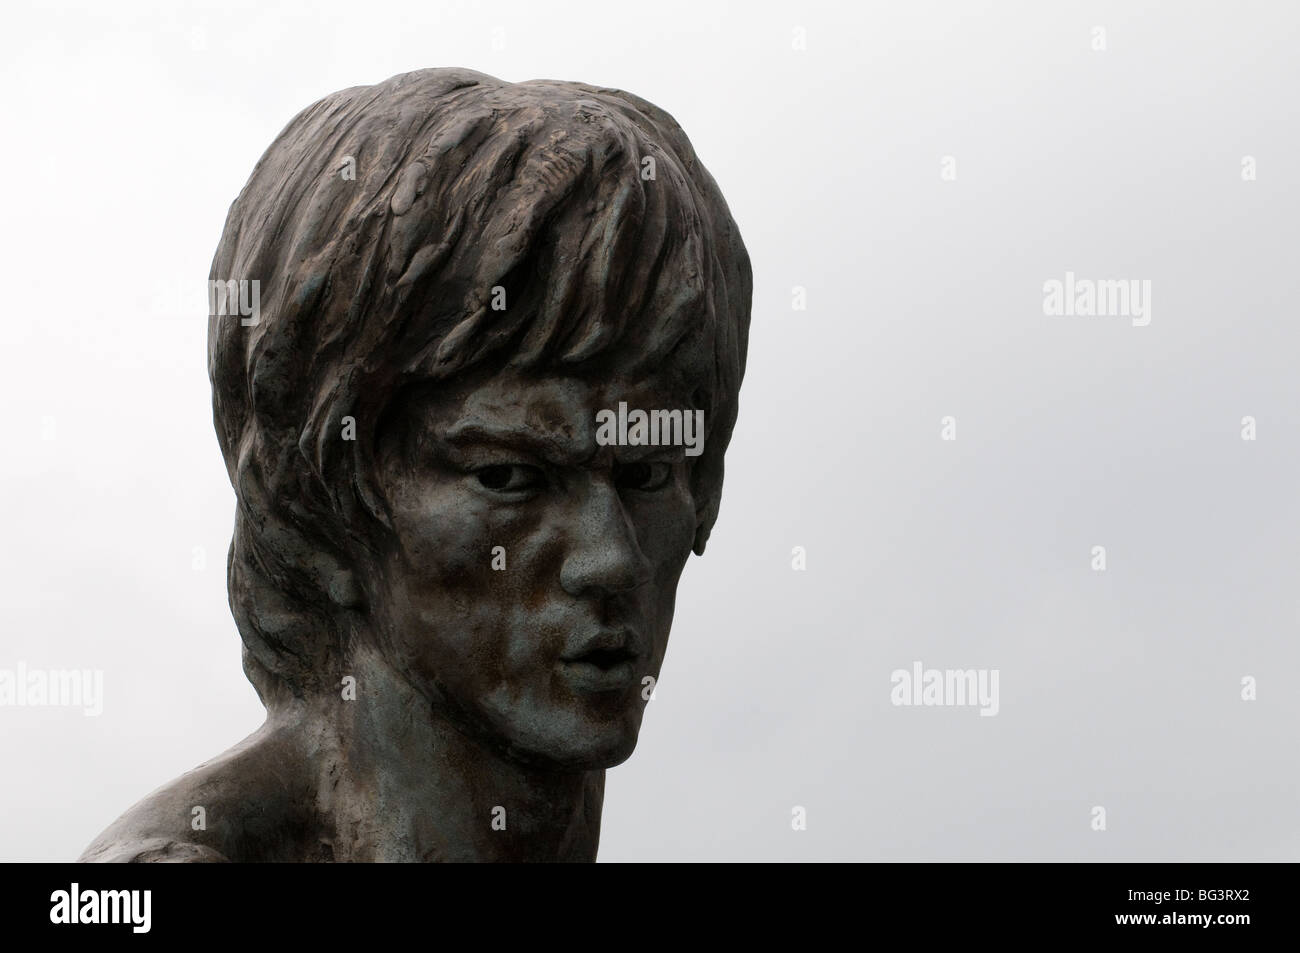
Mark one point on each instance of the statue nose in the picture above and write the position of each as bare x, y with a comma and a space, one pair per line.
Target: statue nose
603, 556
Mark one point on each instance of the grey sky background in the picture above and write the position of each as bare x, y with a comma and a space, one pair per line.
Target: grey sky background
130, 128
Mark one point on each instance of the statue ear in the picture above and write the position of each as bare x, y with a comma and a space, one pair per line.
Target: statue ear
706, 516
706, 485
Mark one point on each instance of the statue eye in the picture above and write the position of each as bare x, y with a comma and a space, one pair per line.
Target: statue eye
510, 477
643, 476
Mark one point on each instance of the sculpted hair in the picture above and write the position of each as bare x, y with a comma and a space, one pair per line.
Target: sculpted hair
377, 225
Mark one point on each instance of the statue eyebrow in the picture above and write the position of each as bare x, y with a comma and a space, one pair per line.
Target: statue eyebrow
551, 447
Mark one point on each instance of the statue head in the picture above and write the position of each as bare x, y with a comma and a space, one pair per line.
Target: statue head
455, 277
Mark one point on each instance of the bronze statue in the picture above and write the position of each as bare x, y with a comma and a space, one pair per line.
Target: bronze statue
454, 599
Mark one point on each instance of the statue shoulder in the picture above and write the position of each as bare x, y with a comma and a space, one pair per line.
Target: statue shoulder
255, 802
153, 850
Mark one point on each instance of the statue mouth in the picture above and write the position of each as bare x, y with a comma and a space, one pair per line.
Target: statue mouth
605, 663
605, 659
605, 649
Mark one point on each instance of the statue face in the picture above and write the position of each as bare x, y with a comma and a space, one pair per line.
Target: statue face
540, 646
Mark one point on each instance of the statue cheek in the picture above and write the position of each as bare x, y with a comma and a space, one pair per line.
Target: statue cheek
441, 534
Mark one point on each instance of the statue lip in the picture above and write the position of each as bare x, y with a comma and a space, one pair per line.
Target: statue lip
605, 662
606, 650
603, 659
592, 673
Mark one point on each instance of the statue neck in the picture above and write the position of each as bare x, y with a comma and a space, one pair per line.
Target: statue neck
397, 782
